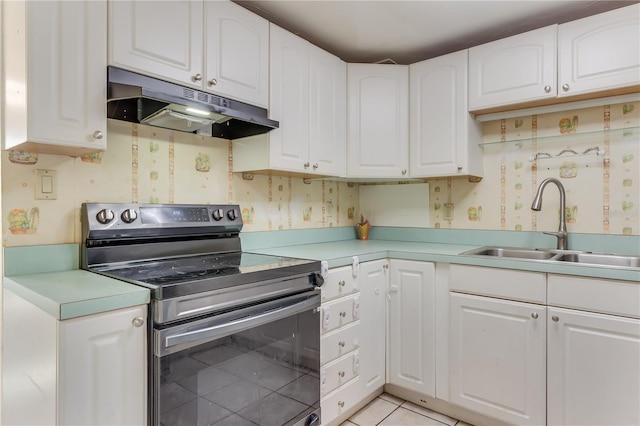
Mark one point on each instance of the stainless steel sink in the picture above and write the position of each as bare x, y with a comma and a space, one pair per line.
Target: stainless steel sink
552, 255
512, 252
601, 259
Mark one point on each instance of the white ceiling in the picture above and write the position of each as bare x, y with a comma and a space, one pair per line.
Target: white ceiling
410, 31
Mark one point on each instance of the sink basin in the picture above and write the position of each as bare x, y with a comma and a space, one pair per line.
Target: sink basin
513, 253
601, 259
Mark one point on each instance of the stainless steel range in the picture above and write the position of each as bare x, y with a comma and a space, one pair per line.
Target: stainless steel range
234, 336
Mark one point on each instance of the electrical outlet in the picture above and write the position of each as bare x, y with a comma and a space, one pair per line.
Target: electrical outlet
46, 184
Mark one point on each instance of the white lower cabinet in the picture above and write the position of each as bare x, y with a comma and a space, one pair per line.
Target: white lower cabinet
530, 348
411, 337
353, 315
87, 370
497, 358
593, 351
593, 370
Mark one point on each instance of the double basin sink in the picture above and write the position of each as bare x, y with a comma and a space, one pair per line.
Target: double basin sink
568, 256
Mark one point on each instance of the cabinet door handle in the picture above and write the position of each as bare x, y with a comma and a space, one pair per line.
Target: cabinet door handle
547, 88
565, 87
212, 82
341, 344
404, 172
341, 404
315, 166
555, 318
306, 165
341, 373
459, 168
97, 134
137, 322
197, 77
343, 314
534, 315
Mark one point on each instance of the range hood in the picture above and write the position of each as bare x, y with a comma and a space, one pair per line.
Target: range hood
146, 100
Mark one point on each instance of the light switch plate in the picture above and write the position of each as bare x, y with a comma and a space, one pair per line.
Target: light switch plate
46, 184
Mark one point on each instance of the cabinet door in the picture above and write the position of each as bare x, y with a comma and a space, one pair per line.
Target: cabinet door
237, 53
159, 38
599, 52
289, 101
443, 135
103, 369
373, 292
593, 372
497, 358
411, 336
327, 113
513, 70
378, 111
64, 80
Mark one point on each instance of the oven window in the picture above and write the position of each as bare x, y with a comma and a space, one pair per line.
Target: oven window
267, 376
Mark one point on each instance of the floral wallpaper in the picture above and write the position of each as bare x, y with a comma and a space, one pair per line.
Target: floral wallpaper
595, 152
151, 165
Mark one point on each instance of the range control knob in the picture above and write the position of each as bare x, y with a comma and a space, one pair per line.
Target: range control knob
232, 214
105, 216
218, 214
129, 215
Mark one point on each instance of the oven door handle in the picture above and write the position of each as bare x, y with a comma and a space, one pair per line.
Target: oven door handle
242, 320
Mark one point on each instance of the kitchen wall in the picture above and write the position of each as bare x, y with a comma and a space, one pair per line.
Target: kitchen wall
603, 191
151, 165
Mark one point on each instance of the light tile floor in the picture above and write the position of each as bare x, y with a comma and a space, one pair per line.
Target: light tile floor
388, 410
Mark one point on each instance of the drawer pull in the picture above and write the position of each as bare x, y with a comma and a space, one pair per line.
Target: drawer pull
343, 314
341, 283
341, 343
555, 318
341, 373
341, 404
534, 315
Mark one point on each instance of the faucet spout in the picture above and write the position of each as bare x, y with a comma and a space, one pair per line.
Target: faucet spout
537, 206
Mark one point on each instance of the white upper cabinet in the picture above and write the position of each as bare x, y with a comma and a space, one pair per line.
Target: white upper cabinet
237, 53
378, 121
597, 56
218, 47
516, 69
308, 99
54, 97
327, 113
444, 137
158, 38
600, 52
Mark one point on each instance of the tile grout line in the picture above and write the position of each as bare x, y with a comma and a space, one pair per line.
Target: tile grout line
384, 418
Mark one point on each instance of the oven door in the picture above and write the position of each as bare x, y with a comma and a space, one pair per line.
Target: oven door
253, 366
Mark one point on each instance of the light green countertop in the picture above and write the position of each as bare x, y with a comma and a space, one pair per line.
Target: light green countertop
75, 293
340, 253
48, 277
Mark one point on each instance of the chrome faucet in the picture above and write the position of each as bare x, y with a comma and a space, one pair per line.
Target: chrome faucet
537, 206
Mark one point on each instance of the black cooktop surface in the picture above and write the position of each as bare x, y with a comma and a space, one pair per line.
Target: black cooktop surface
179, 276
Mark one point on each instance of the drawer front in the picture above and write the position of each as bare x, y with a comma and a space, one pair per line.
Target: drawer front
340, 401
339, 342
339, 312
339, 372
595, 295
340, 282
503, 283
